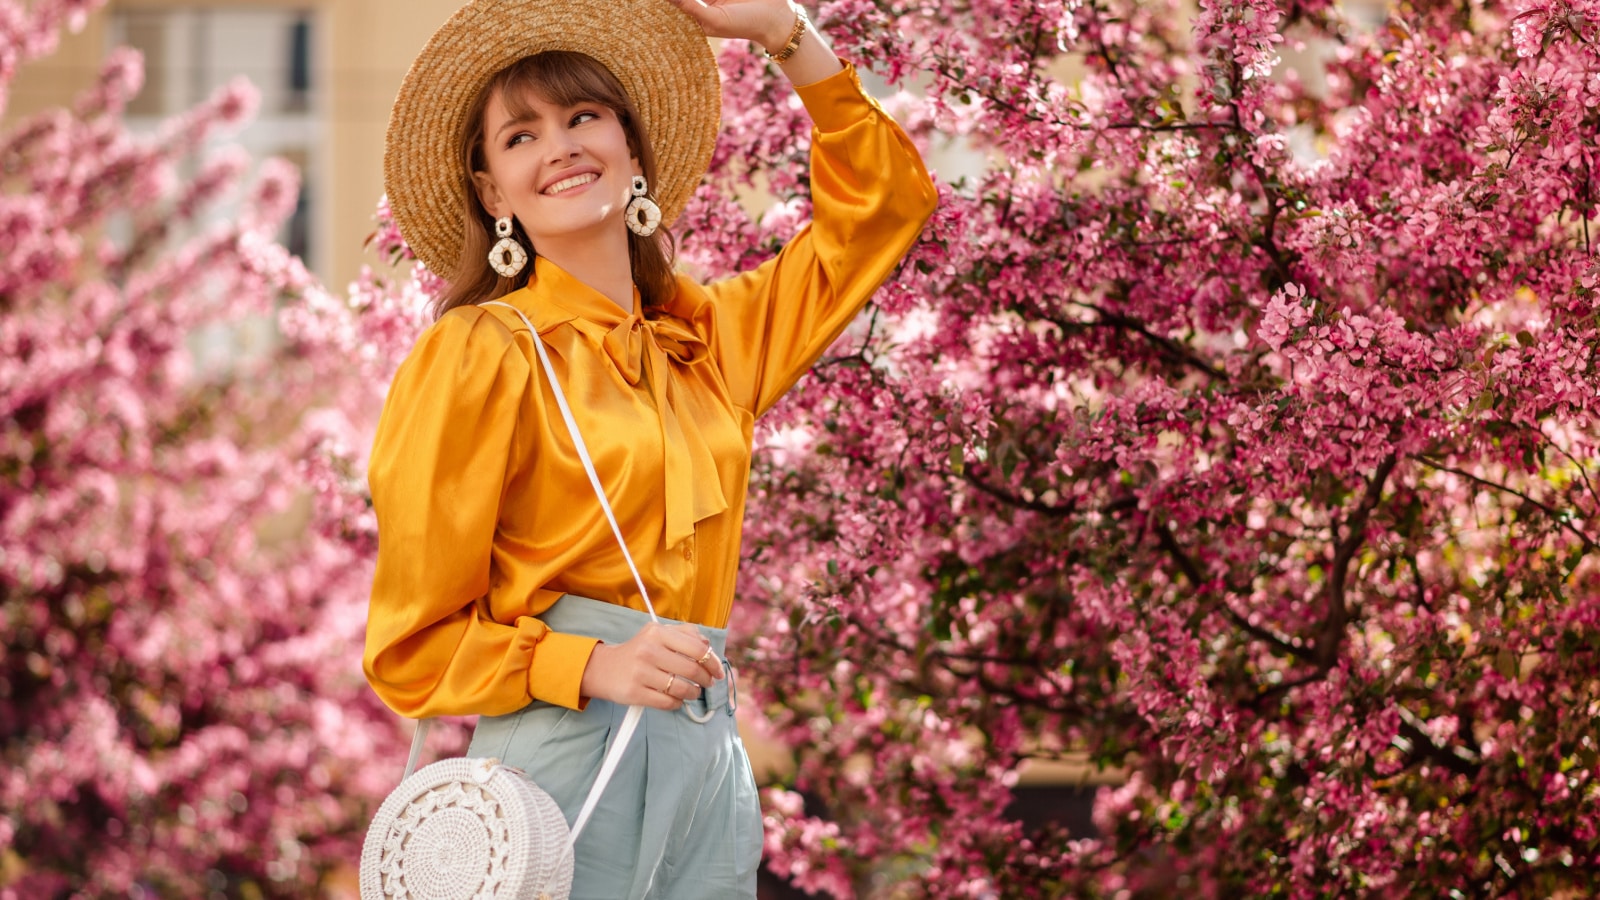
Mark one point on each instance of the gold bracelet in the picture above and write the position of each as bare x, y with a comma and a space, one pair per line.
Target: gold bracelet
800, 23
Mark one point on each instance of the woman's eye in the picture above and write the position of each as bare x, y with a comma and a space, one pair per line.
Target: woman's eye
519, 138
582, 117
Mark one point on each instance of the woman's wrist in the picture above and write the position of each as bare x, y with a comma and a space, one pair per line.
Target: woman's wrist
812, 61
592, 685
785, 37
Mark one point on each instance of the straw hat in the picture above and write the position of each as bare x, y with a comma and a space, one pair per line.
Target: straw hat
658, 53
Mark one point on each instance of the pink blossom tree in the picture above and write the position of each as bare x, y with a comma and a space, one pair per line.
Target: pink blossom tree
1235, 429
182, 712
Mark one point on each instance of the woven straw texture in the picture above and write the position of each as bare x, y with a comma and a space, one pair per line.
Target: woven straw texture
658, 53
467, 829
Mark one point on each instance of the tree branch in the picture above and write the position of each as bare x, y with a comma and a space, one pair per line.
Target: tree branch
1331, 635
1066, 508
1555, 515
1459, 760
1197, 579
1108, 319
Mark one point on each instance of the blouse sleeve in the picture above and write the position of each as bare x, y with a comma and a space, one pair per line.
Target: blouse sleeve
438, 471
871, 196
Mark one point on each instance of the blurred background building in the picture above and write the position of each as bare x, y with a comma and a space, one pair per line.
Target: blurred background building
327, 72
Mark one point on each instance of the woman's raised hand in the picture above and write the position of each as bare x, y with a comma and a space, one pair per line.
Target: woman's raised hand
660, 667
767, 22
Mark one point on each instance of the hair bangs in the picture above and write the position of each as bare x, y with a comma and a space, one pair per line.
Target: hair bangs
559, 78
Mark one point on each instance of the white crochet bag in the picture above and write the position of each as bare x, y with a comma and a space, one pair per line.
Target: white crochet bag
467, 828
476, 829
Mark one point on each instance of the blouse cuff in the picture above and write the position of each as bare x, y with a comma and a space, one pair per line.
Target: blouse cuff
557, 671
837, 102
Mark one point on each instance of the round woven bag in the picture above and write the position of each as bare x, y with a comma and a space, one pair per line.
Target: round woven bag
467, 829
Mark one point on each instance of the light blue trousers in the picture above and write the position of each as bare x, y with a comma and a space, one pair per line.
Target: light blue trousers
680, 818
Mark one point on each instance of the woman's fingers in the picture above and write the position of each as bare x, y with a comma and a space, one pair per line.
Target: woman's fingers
683, 639
699, 662
657, 688
694, 646
702, 14
671, 661
710, 663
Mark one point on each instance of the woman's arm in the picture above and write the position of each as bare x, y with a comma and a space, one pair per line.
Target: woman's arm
438, 469
870, 196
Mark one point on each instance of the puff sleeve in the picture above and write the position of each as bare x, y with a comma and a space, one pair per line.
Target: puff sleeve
871, 195
439, 468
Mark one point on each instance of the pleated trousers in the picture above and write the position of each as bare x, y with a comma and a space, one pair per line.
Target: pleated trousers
680, 818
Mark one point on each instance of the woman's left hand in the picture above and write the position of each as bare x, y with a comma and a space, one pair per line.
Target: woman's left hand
767, 22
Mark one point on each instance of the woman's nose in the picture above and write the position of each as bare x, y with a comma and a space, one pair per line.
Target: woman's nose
561, 146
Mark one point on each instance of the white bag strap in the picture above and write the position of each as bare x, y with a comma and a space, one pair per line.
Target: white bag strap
418, 739
630, 722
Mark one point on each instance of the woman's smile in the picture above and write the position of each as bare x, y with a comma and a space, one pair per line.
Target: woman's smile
571, 183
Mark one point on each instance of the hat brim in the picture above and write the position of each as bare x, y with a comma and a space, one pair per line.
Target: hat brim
656, 51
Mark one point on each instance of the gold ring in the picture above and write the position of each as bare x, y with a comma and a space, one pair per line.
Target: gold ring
670, 680
704, 657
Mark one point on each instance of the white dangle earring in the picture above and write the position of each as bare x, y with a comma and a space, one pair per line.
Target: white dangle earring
643, 215
506, 257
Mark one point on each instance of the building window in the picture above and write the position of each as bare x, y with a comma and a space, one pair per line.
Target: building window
189, 52
299, 63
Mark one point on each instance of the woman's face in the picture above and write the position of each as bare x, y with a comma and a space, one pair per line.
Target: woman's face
564, 172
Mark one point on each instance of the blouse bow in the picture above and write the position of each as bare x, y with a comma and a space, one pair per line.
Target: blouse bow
641, 348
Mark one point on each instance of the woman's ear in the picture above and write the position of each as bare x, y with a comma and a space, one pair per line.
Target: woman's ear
489, 195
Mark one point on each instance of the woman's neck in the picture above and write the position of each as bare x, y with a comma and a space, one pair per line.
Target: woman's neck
600, 263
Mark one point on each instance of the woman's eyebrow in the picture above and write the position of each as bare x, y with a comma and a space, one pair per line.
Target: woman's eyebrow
532, 118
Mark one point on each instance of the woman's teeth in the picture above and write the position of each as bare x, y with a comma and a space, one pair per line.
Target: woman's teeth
569, 183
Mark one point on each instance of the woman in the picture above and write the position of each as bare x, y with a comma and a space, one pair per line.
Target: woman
545, 128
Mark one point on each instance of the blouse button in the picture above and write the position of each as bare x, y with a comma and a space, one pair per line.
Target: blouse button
688, 549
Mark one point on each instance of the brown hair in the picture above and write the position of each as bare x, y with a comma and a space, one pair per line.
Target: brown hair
562, 78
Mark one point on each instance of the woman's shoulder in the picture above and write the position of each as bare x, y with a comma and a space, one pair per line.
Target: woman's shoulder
488, 327
464, 342
461, 378
474, 322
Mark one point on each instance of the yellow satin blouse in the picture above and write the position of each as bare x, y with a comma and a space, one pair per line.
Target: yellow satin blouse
485, 516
